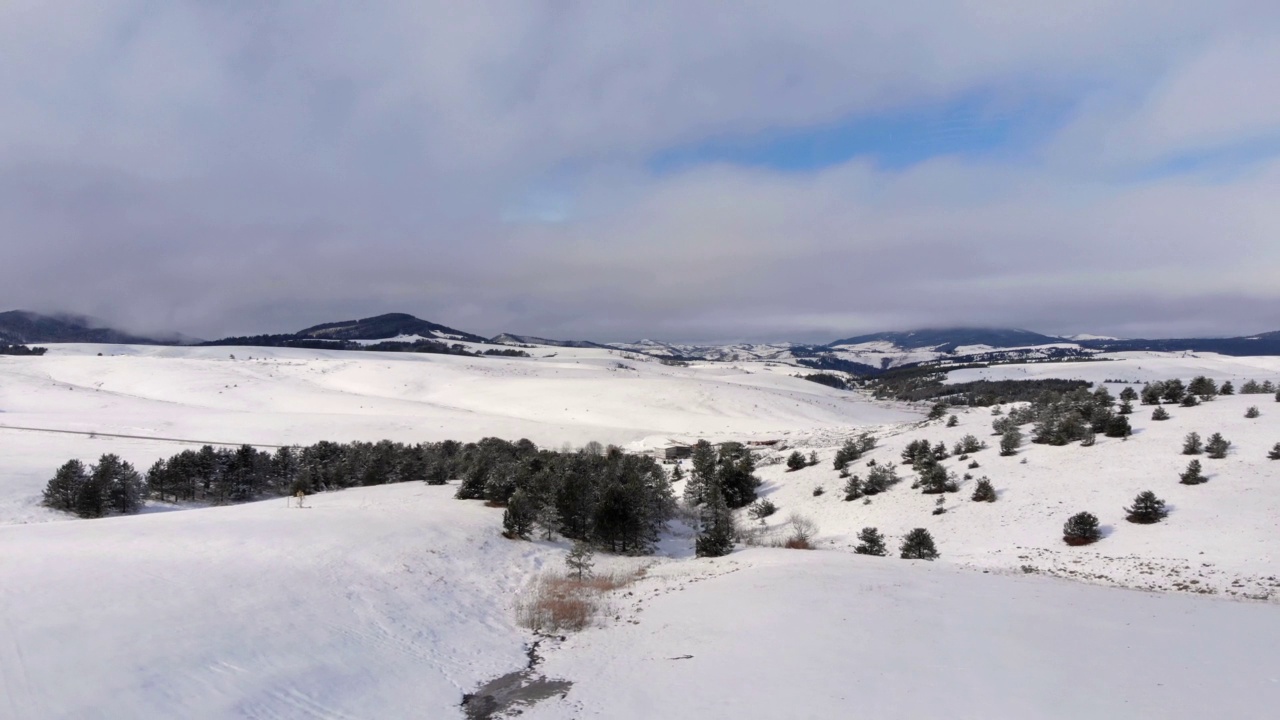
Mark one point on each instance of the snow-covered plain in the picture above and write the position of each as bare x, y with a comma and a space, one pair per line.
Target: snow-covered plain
394, 601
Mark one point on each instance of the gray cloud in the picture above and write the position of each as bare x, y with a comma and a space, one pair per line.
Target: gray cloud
242, 168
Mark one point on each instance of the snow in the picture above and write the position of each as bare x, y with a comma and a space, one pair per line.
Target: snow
394, 601
790, 634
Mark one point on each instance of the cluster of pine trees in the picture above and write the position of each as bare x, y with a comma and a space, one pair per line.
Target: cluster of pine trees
721, 480
6, 349
111, 486
1063, 418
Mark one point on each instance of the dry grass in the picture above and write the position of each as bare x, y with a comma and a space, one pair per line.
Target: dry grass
555, 601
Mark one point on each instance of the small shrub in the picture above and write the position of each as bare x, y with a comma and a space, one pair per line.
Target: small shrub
1252, 412
1190, 401
953, 421
984, 492
973, 465
818, 491
1081, 529
795, 461
918, 545
939, 506
803, 531
1146, 509
761, 509
1275, 452
1159, 413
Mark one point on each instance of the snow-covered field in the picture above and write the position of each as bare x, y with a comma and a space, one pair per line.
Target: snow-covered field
393, 601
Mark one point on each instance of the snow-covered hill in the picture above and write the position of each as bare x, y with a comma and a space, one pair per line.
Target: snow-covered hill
394, 601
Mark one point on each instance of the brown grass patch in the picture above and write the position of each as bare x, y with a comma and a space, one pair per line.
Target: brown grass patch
797, 543
555, 601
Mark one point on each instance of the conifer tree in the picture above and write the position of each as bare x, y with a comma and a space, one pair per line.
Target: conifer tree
1189, 401
1193, 475
795, 461
984, 491
1173, 391
953, 421
1118, 427
1227, 389
61, 492
1252, 412
1081, 529
812, 459
1217, 446
518, 518
1275, 452
852, 488
1159, 413
580, 560
1191, 444
715, 536
1126, 408
1128, 394
1010, 441
918, 545
1146, 509
1151, 393
870, 542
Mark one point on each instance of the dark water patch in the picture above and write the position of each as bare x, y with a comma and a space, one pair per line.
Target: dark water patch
520, 688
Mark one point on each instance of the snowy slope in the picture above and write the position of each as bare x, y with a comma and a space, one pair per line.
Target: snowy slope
278, 396
373, 603
814, 635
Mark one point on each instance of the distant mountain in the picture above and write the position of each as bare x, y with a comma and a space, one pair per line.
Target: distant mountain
512, 339
947, 339
1264, 344
381, 327
22, 327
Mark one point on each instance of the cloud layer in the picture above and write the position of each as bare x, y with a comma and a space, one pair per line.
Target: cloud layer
239, 168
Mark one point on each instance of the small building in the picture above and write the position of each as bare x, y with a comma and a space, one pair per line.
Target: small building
675, 452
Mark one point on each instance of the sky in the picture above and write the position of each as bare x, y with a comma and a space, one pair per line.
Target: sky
682, 170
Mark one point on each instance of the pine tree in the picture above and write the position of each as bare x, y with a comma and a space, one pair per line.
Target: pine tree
1193, 475
1189, 401
1081, 529
1010, 441
517, 520
547, 518
953, 421
579, 560
1252, 412
1126, 408
1146, 509
937, 411
1151, 393
1275, 452
715, 537
1159, 413
1227, 389
847, 453
1128, 394
918, 545
853, 488
870, 542
795, 461
1118, 427
1173, 391
812, 459
984, 491
61, 492
879, 479
1191, 444
1217, 446
1203, 387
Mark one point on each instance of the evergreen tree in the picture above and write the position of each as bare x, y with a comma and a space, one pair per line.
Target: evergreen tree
918, 545
1217, 446
1275, 452
984, 491
1189, 401
518, 518
1173, 391
1227, 389
1010, 441
1146, 509
853, 487
847, 453
1193, 475
795, 461
1081, 529
1191, 444
967, 445
1128, 394
1126, 408
1252, 412
937, 411
579, 560
1118, 427
1159, 413
870, 542
1151, 393
953, 421
1203, 387
547, 518
879, 479
812, 459
61, 492
716, 535
703, 472
736, 474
